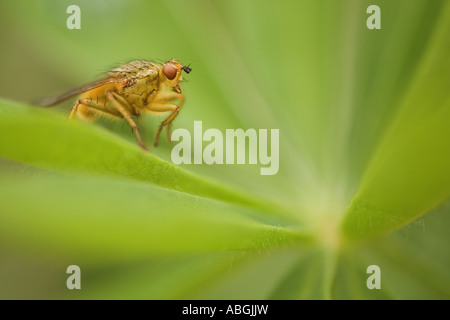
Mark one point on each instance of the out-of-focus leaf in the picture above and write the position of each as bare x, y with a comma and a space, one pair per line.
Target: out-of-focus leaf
413, 262
106, 220
159, 278
410, 173
255, 277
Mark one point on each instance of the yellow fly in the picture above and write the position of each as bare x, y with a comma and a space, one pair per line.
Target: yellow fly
132, 89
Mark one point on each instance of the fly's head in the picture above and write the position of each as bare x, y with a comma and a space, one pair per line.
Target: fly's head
171, 74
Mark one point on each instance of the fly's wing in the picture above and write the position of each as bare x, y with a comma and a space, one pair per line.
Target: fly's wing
72, 93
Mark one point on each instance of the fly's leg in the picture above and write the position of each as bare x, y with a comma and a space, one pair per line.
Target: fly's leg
169, 132
162, 105
124, 103
114, 98
98, 107
74, 110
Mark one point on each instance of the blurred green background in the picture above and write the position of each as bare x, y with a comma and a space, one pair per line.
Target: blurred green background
363, 118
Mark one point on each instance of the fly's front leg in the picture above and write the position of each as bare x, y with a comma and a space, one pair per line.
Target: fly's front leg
162, 105
115, 98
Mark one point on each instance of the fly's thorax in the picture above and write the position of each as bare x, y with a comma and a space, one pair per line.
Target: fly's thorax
137, 77
137, 91
136, 69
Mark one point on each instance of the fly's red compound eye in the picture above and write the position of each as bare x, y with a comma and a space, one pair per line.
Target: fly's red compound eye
169, 71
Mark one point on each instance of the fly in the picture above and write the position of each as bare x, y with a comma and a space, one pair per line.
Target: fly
128, 91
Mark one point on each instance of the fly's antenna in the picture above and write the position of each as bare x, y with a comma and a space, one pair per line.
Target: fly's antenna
187, 69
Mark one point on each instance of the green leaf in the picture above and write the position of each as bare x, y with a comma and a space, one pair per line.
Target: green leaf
104, 220
310, 277
413, 262
409, 174
159, 278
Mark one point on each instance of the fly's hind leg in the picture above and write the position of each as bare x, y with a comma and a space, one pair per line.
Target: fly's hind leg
125, 113
96, 106
162, 104
74, 110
